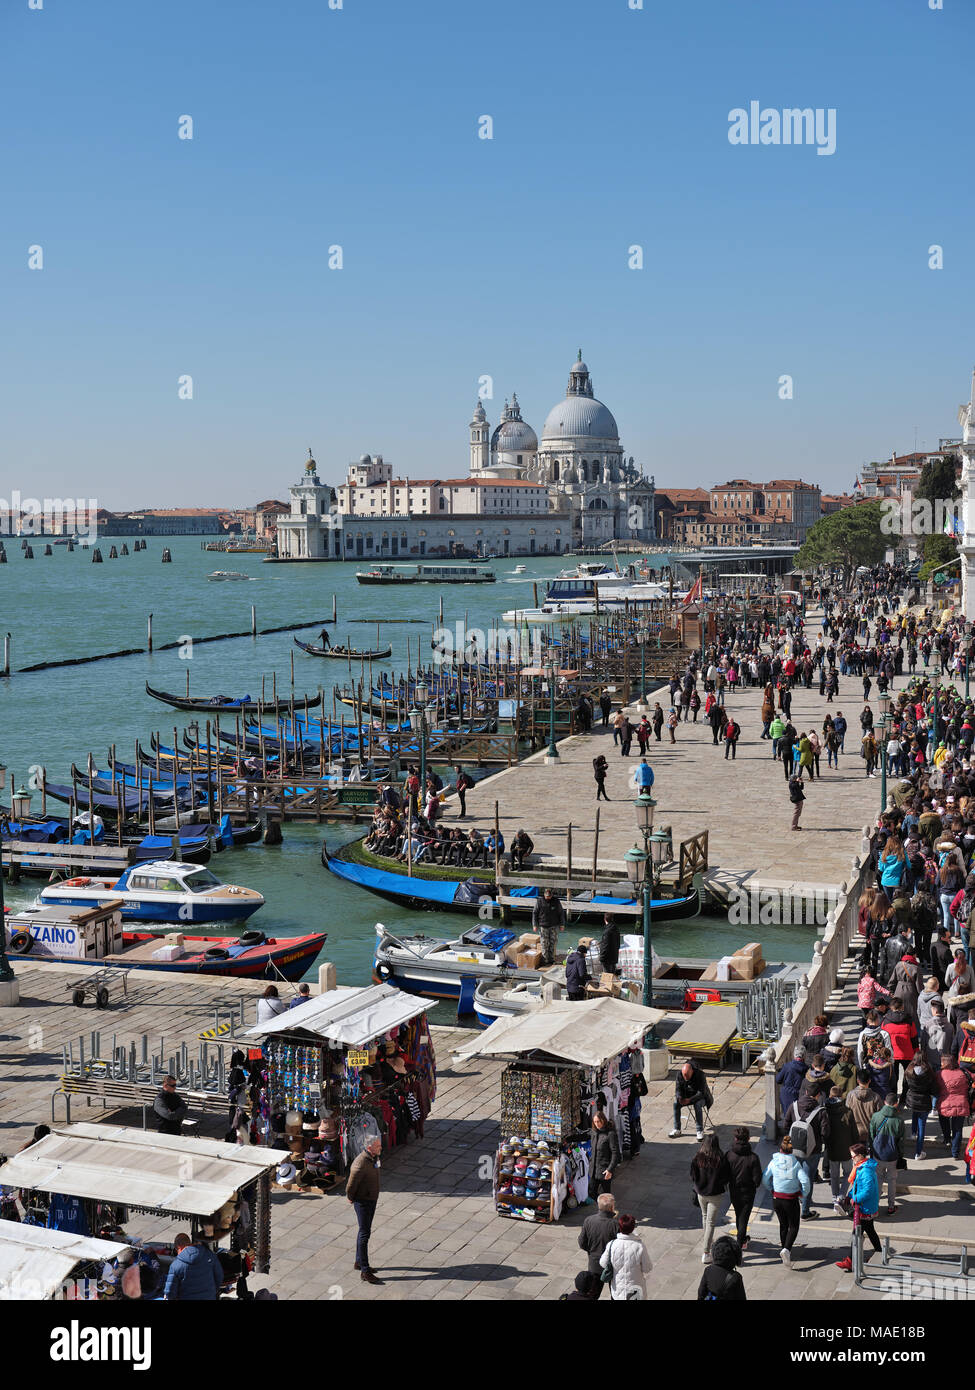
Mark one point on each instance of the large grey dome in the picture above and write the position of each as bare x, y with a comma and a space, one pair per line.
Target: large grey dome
514, 437
579, 417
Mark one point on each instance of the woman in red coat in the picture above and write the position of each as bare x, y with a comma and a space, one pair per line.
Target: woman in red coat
953, 1109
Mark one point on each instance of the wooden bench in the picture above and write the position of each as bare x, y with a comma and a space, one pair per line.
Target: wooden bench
127, 1093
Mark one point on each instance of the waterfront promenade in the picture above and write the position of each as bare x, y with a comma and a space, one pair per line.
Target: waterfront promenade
742, 803
436, 1233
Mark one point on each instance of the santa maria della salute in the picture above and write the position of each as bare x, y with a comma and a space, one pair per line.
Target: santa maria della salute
573, 490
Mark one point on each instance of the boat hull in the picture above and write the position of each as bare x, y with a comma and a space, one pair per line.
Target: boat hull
180, 913
276, 958
440, 895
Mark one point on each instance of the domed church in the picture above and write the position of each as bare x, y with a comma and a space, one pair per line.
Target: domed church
580, 458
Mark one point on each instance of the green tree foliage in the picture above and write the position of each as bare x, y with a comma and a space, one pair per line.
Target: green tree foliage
939, 549
939, 480
849, 538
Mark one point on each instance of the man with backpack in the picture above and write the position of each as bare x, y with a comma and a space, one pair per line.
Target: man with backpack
886, 1135
808, 1128
797, 797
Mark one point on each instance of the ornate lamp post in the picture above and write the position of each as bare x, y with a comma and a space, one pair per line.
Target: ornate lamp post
418, 723
638, 861
6, 971
550, 670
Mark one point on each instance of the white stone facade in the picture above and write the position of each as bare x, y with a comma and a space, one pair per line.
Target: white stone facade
966, 418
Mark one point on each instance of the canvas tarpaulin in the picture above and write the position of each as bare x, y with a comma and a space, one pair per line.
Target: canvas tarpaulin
35, 1262
588, 1032
350, 1017
137, 1168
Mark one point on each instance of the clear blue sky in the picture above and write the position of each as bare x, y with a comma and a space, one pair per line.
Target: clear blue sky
465, 257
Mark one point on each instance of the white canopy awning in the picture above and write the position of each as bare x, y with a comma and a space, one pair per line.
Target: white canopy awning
351, 1017
137, 1168
588, 1031
35, 1262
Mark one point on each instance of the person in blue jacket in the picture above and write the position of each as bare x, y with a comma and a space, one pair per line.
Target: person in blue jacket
644, 776
865, 1198
195, 1275
893, 868
789, 1080
786, 1178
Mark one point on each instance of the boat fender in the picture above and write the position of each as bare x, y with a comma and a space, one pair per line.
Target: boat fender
252, 938
21, 942
383, 970
216, 953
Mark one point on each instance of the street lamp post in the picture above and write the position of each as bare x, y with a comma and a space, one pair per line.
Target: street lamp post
6, 970
418, 723
884, 723
553, 751
638, 862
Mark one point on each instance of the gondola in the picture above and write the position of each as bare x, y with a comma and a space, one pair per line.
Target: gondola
225, 704
345, 653
472, 895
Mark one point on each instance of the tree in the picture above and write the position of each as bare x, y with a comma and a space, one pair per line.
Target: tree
939, 480
939, 549
849, 538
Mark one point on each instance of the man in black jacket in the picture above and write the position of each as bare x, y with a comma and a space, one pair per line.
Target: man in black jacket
548, 919
609, 945
576, 970
941, 955
169, 1108
797, 796
597, 1231
691, 1088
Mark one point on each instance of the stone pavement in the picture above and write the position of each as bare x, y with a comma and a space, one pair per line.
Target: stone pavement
436, 1233
742, 803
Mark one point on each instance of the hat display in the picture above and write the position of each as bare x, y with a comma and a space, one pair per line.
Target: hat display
286, 1173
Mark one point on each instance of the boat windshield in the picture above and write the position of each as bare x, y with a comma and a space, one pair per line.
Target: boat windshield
200, 880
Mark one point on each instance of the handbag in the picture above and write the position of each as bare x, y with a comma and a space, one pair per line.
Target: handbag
606, 1274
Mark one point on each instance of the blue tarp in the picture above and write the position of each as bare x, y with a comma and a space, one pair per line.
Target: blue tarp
433, 889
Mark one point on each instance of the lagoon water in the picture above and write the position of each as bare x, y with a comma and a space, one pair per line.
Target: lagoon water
63, 606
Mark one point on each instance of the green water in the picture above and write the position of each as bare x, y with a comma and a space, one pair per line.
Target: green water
62, 606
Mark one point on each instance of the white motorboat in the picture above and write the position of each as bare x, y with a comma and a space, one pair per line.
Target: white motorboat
589, 589
163, 890
228, 574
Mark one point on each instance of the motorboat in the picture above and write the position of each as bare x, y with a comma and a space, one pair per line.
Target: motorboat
95, 937
506, 998
229, 574
164, 890
425, 574
519, 569
438, 969
589, 589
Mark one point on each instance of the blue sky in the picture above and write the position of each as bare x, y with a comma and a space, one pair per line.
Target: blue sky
466, 257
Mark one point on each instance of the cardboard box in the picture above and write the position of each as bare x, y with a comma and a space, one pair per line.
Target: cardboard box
723, 968
753, 949
746, 967
711, 972
173, 938
530, 960
167, 953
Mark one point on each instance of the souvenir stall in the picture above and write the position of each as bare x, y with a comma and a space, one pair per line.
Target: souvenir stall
92, 1179
345, 1067
37, 1263
566, 1060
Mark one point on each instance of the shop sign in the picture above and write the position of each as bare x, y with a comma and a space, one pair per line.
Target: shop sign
357, 1058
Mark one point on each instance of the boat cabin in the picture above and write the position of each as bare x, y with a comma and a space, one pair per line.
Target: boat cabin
78, 933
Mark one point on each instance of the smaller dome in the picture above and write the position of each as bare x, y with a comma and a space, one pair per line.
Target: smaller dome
365, 459
579, 368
